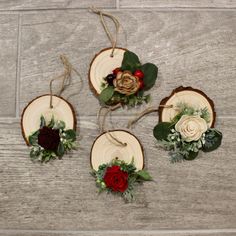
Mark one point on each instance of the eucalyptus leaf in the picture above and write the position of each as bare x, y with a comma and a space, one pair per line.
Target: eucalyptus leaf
33, 154
213, 140
33, 139
47, 158
191, 156
60, 125
130, 61
144, 175
162, 130
52, 122
106, 94
60, 149
70, 134
42, 122
150, 75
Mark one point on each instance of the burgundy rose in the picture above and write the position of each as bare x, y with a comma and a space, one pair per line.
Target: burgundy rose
116, 179
49, 138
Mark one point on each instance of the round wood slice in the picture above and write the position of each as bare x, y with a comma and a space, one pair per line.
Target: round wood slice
62, 110
194, 97
102, 65
104, 150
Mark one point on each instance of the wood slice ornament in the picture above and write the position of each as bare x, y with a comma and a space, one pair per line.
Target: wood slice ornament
104, 149
62, 110
102, 65
48, 122
186, 95
116, 75
186, 124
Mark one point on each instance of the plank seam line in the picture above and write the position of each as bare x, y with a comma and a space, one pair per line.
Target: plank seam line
124, 9
18, 67
16, 119
117, 4
122, 232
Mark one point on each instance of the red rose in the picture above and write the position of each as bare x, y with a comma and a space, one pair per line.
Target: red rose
116, 179
49, 138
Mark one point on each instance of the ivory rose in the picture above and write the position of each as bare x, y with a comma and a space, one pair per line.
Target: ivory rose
191, 128
126, 83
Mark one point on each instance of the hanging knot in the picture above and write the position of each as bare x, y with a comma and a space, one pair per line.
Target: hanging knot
101, 124
145, 112
65, 77
112, 39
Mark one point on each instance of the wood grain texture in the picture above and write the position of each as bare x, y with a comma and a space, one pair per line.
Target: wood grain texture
190, 48
178, 3
116, 233
53, 4
8, 58
61, 195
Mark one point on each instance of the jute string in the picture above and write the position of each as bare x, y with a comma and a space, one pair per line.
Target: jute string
112, 39
65, 77
145, 112
102, 120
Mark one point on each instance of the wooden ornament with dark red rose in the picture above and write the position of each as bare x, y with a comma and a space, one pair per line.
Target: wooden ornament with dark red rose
48, 122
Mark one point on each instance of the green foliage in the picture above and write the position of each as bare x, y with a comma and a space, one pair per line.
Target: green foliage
42, 122
191, 155
60, 149
130, 61
179, 149
185, 109
70, 134
144, 175
130, 101
213, 140
33, 139
67, 143
106, 94
176, 156
150, 75
134, 177
59, 125
51, 123
162, 130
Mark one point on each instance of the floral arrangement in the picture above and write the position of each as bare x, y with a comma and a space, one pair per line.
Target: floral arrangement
187, 134
127, 84
120, 178
51, 141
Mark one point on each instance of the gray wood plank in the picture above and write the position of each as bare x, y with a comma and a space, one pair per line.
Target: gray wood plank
61, 195
190, 48
117, 233
178, 3
53, 4
8, 57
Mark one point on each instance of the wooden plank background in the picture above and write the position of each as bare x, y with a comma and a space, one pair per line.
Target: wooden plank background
192, 42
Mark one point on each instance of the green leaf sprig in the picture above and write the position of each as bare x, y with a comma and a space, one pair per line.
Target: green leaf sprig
67, 141
134, 177
131, 63
179, 149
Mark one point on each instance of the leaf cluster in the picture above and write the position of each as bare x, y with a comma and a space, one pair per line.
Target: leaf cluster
178, 148
67, 141
131, 63
134, 177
